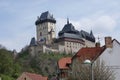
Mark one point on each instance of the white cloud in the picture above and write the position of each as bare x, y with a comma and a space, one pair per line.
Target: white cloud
105, 23
98, 24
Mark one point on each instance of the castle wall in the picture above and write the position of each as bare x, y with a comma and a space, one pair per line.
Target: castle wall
70, 47
89, 43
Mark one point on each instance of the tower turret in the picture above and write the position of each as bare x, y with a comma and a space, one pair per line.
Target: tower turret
45, 27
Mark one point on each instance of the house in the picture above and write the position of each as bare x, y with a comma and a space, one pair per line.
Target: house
66, 65
83, 54
111, 55
63, 67
31, 76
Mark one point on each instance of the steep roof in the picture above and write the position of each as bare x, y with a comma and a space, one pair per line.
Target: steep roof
45, 17
87, 36
89, 53
116, 41
33, 42
35, 76
70, 29
63, 62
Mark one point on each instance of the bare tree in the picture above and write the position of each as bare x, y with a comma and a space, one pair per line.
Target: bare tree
80, 71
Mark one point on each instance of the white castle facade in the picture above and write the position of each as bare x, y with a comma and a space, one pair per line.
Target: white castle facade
69, 39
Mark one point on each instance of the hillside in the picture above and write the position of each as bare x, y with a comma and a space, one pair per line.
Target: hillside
44, 64
9, 69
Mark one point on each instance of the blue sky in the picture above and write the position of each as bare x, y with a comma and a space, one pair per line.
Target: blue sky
17, 18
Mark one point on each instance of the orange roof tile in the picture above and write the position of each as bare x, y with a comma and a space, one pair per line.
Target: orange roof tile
62, 63
89, 53
34, 76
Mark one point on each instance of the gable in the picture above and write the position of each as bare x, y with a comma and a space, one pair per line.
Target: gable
63, 62
89, 53
23, 76
31, 76
111, 57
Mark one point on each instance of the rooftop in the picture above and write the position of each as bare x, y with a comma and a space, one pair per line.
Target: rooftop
69, 29
63, 62
34, 76
45, 17
89, 53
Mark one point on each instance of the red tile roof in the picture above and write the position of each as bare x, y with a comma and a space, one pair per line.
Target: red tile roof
89, 53
62, 63
34, 76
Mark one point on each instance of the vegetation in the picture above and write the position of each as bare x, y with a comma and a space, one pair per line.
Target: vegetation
10, 67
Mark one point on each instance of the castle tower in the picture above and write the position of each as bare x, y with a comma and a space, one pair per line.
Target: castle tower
45, 28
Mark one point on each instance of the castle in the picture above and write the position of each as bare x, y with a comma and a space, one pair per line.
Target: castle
69, 39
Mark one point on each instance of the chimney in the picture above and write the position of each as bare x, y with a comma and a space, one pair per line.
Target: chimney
108, 42
97, 44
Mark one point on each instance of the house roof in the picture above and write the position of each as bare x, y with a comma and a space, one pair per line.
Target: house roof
116, 41
63, 62
89, 53
34, 76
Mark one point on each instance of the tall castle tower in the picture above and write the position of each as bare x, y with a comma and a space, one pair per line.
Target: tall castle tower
45, 28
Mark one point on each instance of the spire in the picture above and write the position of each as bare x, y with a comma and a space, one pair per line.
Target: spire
91, 33
67, 20
33, 42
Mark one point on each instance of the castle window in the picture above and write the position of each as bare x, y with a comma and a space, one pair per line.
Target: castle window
40, 33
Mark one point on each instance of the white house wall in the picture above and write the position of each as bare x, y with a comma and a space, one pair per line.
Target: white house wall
111, 56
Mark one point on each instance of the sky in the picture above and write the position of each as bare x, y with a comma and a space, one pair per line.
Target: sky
17, 18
